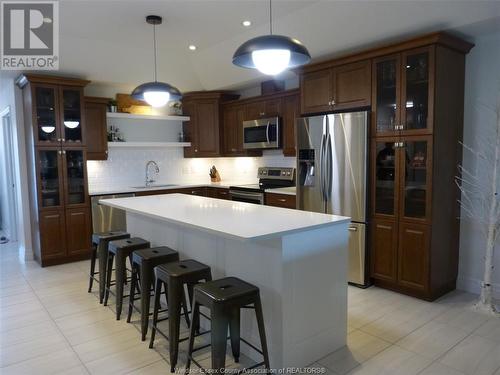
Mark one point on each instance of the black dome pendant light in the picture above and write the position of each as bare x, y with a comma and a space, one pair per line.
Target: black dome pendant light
156, 94
271, 54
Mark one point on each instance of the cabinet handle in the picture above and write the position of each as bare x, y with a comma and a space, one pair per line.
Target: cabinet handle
64, 140
60, 152
333, 102
402, 144
223, 192
352, 229
64, 152
396, 144
329, 102
59, 139
195, 150
281, 200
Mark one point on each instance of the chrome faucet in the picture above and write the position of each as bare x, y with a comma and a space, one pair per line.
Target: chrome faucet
149, 179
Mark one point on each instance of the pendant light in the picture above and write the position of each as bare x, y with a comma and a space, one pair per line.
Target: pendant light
156, 94
271, 54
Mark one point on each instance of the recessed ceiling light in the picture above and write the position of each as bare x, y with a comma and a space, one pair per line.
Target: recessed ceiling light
247, 23
192, 47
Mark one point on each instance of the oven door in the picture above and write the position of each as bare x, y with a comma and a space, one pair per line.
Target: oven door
263, 133
246, 196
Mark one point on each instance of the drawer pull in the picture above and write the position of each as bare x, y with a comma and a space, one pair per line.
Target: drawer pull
353, 229
282, 200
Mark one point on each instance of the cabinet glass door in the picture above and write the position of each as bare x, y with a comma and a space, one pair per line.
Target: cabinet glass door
385, 177
72, 115
387, 94
49, 174
46, 115
415, 179
74, 161
416, 91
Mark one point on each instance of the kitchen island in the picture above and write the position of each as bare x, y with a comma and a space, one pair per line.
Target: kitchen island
298, 260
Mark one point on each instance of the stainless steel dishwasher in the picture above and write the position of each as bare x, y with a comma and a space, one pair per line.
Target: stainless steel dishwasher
105, 218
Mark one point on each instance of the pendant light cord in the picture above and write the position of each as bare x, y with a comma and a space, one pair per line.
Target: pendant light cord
270, 17
154, 47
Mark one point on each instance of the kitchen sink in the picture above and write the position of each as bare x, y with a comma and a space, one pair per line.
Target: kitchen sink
153, 186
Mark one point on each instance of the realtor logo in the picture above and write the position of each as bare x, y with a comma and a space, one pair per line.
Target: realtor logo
30, 35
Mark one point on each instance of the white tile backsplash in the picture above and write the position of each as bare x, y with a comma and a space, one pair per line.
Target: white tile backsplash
126, 167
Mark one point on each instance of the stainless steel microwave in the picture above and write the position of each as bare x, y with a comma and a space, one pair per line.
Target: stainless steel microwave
262, 133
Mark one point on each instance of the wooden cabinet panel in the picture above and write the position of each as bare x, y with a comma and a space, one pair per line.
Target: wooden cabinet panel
233, 130
222, 193
207, 127
316, 91
78, 231
52, 234
352, 85
273, 107
384, 242
255, 110
201, 191
281, 200
413, 255
96, 128
291, 111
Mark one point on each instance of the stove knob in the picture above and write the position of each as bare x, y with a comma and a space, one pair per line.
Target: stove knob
288, 174
283, 173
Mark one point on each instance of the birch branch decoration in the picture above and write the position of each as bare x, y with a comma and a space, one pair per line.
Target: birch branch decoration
480, 201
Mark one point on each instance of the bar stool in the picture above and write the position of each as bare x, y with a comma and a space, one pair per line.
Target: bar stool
100, 243
175, 276
143, 263
224, 298
121, 249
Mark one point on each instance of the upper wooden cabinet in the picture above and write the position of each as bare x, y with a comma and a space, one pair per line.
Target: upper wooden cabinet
96, 128
341, 87
55, 109
232, 135
291, 111
403, 93
203, 128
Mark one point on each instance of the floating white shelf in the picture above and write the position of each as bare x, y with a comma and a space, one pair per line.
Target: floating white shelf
131, 116
147, 144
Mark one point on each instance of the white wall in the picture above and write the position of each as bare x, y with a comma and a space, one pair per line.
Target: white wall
482, 88
11, 96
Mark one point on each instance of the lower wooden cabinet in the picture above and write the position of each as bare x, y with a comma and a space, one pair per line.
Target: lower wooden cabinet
384, 241
413, 255
219, 193
400, 256
52, 234
65, 235
78, 231
281, 200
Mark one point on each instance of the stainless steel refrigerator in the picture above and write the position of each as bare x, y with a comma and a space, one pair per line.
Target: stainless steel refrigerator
332, 175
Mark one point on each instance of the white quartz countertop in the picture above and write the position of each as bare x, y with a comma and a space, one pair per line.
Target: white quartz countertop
240, 220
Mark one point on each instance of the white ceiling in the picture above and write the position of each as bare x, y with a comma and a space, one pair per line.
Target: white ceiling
109, 41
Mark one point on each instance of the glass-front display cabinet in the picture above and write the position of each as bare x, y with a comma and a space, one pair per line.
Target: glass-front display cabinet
415, 185
58, 115
403, 93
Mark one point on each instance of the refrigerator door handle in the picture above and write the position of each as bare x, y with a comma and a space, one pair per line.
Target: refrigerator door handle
322, 167
329, 167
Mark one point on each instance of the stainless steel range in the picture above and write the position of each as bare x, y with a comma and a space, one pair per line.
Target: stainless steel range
269, 178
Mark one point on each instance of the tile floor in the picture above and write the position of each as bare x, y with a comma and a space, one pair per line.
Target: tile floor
49, 324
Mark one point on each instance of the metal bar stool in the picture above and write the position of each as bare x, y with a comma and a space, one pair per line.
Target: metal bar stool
175, 276
143, 264
100, 243
121, 249
224, 298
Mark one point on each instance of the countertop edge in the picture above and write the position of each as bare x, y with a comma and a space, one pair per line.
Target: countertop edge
225, 234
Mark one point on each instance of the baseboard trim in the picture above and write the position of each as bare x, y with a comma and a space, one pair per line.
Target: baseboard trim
471, 285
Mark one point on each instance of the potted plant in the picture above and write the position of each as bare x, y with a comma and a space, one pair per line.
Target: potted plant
113, 106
